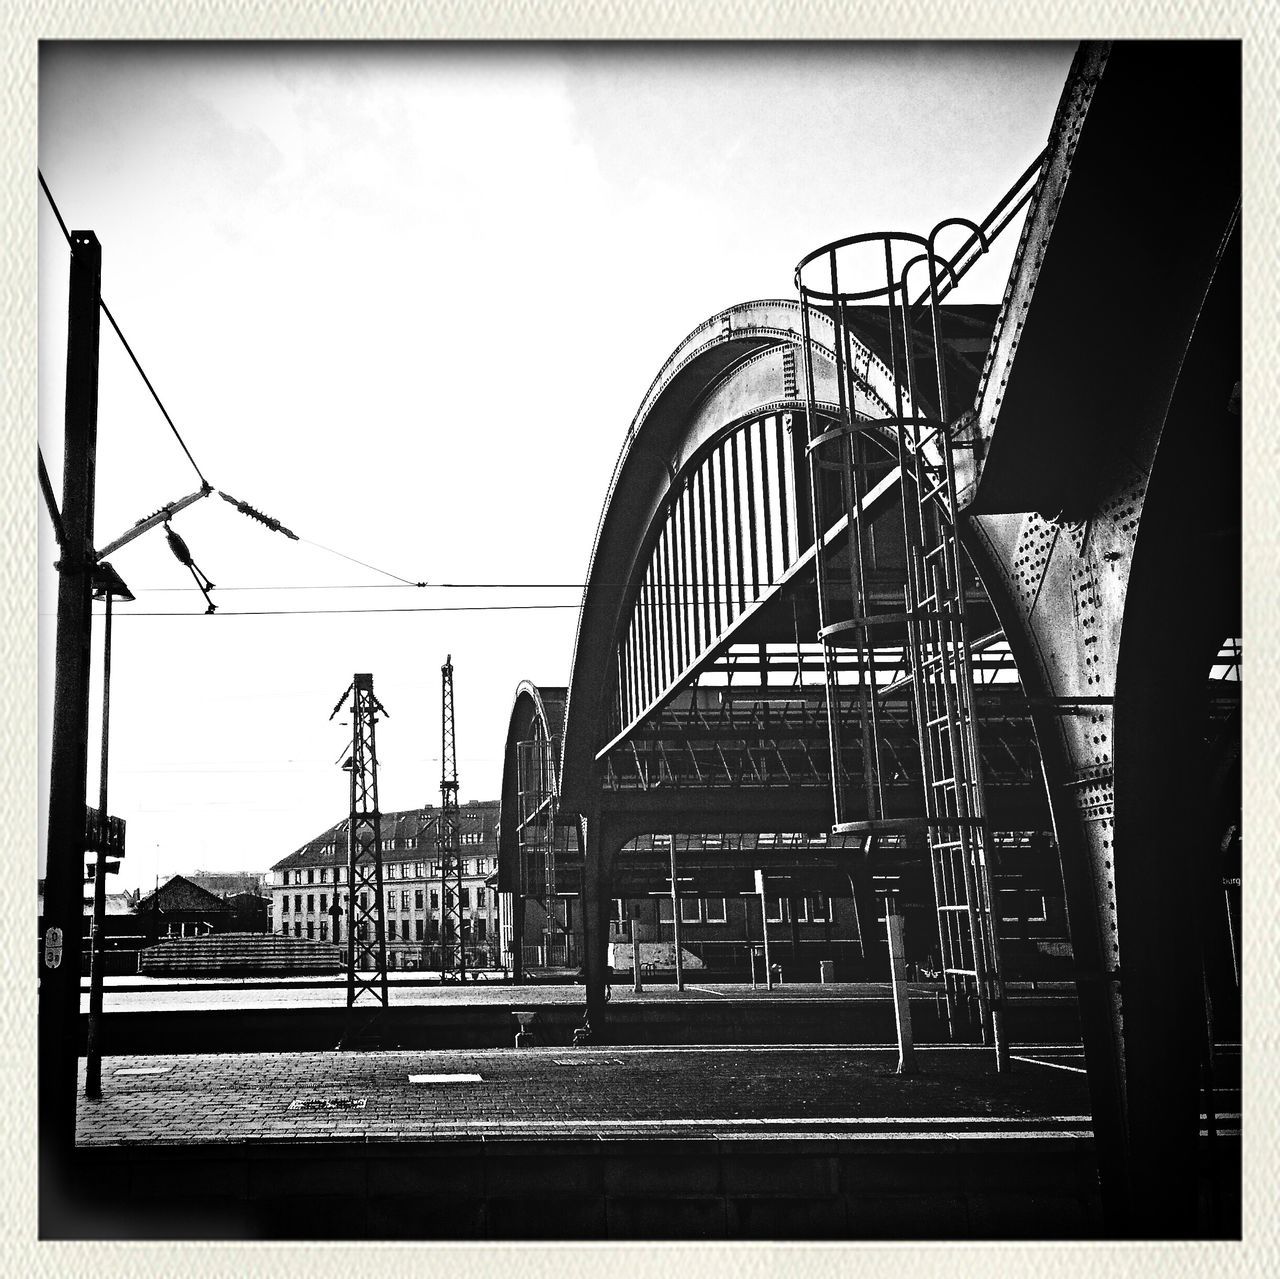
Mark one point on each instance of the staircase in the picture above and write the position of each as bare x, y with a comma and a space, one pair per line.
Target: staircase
260, 954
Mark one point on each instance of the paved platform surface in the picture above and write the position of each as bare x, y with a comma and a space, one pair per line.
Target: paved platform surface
581, 1093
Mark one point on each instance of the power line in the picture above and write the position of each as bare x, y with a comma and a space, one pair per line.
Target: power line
404, 581
106, 310
327, 612
686, 589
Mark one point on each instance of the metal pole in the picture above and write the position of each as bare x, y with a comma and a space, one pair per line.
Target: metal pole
635, 959
59, 993
675, 916
901, 999
97, 955
764, 930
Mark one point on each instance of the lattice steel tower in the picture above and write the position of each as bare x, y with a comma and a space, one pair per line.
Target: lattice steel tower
453, 960
366, 934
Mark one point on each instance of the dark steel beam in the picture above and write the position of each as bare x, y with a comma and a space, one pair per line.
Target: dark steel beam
59, 992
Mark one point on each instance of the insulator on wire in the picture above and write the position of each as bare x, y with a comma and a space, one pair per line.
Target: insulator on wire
179, 548
182, 553
254, 514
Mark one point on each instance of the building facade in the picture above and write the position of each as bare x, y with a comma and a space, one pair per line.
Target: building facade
310, 894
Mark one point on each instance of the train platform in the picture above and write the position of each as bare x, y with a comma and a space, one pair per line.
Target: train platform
749, 1141
756, 1090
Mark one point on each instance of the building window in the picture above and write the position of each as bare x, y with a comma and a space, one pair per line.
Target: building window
690, 910
390, 870
618, 916
324, 902
311, 877
417, 899
311, 903
411, 842
435, 899
297, 930
466, 898
284, 905
713, 910
337, 874
324, 874
297, 903
417, 870
364, 900
776, 911
391, 930
391, 899
311, 930
417, 929
404, 900
817, 910
664, 910
324, 930
481, 927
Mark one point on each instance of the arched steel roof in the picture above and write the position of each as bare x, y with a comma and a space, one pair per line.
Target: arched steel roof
534, 705
742, 361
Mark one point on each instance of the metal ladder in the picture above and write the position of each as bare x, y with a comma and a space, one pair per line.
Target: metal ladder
843, 438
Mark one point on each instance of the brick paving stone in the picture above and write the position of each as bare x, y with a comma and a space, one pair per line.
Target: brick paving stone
528, 1093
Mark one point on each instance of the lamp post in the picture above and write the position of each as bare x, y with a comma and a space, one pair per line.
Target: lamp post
107, 586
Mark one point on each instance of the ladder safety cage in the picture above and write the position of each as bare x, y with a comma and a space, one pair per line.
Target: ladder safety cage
867, 606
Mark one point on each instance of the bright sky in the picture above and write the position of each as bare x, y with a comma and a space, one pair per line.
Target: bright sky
406, 299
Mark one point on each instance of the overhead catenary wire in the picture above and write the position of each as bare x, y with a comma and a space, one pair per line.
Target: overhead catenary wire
273, 524
111, 319
333, 612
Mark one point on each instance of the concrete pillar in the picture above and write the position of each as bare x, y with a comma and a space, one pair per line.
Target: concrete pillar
599, 854
901, 1000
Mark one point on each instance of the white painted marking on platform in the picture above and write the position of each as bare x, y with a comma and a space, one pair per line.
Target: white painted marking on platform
143, 1070
445, 1079
985, 1122
719, 994
1053, 1065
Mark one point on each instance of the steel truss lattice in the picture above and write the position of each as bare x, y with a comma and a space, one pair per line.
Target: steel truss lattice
366, 933
453, 938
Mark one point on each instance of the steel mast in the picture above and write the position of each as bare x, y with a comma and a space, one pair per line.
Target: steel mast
452, 942
366, 933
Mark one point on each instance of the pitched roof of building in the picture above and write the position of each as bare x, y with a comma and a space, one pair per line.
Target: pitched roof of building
179, 894
419, 824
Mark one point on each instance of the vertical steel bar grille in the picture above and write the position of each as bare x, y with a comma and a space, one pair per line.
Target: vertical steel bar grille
734, 525
924, 611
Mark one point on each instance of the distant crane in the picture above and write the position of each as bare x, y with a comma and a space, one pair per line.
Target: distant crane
453, 960
366, 934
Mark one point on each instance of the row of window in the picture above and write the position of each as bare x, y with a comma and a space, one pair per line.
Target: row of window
485, 898
476, 930
712, 910
390, 870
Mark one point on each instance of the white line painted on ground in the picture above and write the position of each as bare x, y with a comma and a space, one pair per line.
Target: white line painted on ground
142, 1070
1053, 1065
445, 1079
861, 1121
719, 994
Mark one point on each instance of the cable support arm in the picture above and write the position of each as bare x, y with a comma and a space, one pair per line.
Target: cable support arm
162, 516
